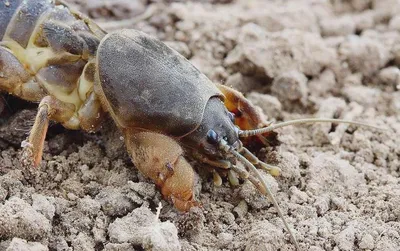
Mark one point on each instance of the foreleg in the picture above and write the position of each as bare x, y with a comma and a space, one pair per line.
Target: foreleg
160, 158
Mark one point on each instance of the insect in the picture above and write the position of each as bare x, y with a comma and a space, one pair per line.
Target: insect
167, 110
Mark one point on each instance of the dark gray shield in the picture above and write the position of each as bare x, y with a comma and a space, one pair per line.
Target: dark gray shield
150, 86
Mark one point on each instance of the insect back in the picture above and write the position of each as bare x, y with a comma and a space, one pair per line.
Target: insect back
148, 85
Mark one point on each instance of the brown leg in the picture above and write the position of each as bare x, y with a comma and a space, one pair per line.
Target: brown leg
49, 109
247, 117
273, 170
160, 158
217, 167
223, 164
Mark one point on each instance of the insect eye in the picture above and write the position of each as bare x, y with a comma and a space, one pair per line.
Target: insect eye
231, 116
212, 137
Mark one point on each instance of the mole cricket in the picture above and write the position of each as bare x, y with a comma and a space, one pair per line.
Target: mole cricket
167, 110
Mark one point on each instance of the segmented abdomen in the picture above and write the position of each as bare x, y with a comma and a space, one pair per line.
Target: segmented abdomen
52, 43
7, 10
21, 17
44, 23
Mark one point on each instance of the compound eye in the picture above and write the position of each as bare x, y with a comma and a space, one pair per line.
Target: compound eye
231, 116
212, 137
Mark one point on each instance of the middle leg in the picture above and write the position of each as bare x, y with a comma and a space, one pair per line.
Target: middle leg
88, 118
49, 108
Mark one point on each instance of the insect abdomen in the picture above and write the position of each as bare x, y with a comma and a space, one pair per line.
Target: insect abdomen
7, 10
49, 45
25, 19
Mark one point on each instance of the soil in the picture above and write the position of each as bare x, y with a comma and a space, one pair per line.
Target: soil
339, 188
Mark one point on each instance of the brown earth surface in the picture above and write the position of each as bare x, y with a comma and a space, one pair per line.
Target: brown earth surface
339, 188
